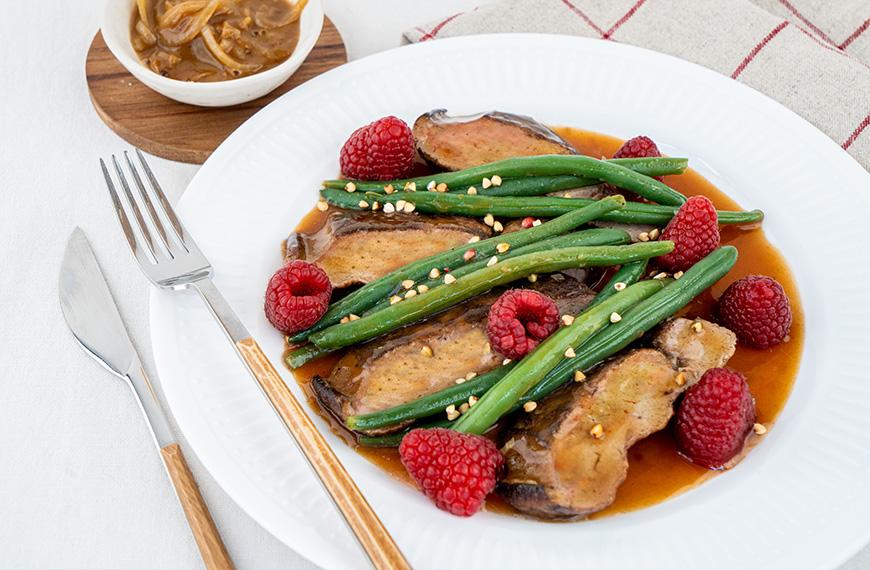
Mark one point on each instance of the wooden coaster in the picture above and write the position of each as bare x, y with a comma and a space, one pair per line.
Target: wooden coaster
173, 130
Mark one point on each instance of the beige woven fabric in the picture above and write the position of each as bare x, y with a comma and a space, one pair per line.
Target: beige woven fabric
811, 55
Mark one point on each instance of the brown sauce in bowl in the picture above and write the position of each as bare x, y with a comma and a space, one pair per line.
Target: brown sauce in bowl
656, 471
214, 40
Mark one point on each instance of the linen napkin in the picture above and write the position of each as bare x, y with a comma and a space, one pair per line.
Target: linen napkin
810, 55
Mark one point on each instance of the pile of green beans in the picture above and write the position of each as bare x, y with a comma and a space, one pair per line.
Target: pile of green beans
522, 206
635, 322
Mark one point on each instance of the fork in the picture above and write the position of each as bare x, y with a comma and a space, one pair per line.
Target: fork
172, 260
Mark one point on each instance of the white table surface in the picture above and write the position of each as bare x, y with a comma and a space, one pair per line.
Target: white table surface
81, 485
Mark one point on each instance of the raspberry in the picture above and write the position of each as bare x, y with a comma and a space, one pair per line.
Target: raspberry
456, 470
637, 147
715, 418
695, 233
381, 150
519, 320
757, 309
528, 222
297, 296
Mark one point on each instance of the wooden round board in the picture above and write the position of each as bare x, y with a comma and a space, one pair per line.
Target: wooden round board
173, 130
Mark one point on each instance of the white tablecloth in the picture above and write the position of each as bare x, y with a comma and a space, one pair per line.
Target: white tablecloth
81, 486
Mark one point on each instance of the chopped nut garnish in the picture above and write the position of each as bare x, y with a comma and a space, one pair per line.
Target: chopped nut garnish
395, 299
680, 379
363, 204
442, 187
567, 320
389, 189
506, 361
488, 220
434, 273
678, 274
497, 227
619, 286
410, 187
469, 255
353, 317
579, 376
496, 180
464, 407
615, 317
408, 283
400, 205
448, 279
452, 414
759, 429
597, 431
389, 208
533, 278
654, 234
459, 381
697, 326
431, 186
536, 223
643, 236
530, 406
472, 191
474, 239
322, 205
661, 275
410, 294
472, 400
486, 183
470, 375
410, 207
344, 320
376, 206
450, 408
502, 247
487, 348
492, 261
569, 353
350, 187
427, 351
422, 288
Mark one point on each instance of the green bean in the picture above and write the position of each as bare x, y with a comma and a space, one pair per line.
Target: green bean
549, 165
557, 348
522, 206
628, 274
436, 300
427, 405
299, 356
394, 439
596, 236
373, 292
615, 337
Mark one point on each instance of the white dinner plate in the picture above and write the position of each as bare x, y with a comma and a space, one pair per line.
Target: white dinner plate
799, 500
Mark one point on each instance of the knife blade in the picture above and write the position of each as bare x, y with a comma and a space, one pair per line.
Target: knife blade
92, 315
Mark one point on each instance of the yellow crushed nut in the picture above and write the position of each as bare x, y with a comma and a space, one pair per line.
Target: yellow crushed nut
530, 406
619, 286
759, 429
496, 180
350, 187
434, 273
488, 220
363, 204
497, 227
427, 351
322, 205
680, 379
579, 376
448, 279
597, 431
472, 191
486, 183
408, 283
389, 208
615, 317
569, 353
567, 320
697, 326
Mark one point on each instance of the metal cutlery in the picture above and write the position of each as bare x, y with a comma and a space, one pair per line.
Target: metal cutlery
172, 260
93, 318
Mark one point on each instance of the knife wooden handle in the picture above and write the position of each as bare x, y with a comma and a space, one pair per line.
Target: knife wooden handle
370, 531
211, 547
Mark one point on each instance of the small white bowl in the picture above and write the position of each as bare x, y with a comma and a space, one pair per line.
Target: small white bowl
117, 16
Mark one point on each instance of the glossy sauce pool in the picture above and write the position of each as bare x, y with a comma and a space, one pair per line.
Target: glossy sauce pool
656, 471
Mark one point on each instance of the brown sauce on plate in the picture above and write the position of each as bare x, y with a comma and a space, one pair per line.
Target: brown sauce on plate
656, 471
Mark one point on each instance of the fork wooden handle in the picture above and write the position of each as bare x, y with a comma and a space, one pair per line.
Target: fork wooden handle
370, 531
211, 547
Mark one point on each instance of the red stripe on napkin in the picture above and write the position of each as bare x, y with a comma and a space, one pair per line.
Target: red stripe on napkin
623, 20
855, 34
809, 24
856, 133
437, 28
583, 16
758, 48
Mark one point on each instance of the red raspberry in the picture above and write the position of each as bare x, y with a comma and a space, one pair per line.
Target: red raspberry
757, 309
381, 150
456, 470
297, 296
528, 222
695, 233
637, 147
715, 418
519, 320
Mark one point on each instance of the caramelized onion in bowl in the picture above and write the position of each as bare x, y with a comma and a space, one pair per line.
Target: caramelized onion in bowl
214, 40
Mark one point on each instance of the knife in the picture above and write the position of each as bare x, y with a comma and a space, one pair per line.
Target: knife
92, 316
